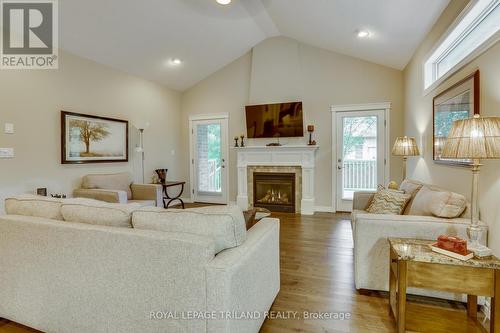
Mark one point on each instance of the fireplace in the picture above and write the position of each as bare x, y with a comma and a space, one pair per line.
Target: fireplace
274, 191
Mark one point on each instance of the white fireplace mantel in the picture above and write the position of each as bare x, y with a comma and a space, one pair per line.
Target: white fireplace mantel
290, 155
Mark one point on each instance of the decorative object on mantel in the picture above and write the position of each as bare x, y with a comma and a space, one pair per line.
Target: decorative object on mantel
242, 137
460, 101
81, 132
277, 143
475, 139
310, 129
58, 196
405, 146
236, 142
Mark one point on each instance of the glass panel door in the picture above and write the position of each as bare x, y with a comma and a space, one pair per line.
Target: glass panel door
360, 154
209, 160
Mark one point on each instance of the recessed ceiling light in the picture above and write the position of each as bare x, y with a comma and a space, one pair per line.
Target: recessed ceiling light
175, 62
223, 2
363, 33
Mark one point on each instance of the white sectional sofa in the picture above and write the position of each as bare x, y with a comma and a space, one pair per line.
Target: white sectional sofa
371, 248
62, 276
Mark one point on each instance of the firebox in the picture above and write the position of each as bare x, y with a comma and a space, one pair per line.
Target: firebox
274, 191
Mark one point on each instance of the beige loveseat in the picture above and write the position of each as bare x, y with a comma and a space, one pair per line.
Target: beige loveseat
118, 188
370, 231
85, 266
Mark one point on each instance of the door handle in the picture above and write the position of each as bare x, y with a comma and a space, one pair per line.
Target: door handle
339, 167
223, 166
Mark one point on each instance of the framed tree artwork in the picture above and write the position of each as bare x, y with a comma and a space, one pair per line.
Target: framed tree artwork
460, 101
92, 139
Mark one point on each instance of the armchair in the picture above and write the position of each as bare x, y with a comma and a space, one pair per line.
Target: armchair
118, 188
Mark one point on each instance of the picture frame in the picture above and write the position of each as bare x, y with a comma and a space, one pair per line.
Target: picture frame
460, 101
93, 139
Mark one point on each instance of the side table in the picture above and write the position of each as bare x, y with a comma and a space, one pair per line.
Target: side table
413, 264
166, 196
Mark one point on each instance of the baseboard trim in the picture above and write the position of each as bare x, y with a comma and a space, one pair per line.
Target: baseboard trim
324, 209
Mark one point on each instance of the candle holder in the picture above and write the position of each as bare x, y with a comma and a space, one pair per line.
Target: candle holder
310, 129
236, 142
242, 142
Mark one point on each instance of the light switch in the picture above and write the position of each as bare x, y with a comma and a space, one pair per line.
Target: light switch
9, 128
6, 152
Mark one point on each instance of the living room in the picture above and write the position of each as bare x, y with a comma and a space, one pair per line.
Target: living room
198, 106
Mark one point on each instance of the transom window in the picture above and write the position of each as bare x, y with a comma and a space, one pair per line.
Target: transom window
476, 28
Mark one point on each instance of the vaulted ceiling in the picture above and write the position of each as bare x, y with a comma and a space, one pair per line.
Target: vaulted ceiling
140, 37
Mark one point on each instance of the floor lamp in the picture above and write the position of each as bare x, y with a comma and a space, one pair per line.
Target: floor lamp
140, 149
405, 146
474, 139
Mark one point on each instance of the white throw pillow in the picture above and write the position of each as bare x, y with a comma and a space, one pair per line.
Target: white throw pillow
98, 212
224, 224
34, 205
434, 201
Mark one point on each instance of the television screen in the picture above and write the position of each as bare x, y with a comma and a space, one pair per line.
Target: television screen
274, 120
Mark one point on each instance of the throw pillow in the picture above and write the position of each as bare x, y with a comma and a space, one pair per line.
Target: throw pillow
34, 205
434, 201
98, 212
388, 202
410, 187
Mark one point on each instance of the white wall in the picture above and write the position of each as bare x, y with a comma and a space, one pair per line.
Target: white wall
280, 69
418, 122
33, 99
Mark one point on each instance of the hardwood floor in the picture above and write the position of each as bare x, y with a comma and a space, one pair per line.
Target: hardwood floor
317, 276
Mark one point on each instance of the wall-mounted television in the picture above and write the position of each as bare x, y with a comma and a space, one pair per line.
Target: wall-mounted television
275, 120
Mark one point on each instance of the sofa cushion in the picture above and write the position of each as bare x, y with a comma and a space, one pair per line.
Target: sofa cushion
432, 200
98, 212
410, 187
34, 205
117, 181
224, 224
388, 202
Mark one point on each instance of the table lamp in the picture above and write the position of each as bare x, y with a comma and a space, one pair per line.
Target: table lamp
475, 139
405, 146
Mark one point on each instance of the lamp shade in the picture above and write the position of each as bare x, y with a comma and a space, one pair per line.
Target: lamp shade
405, 146
474, 138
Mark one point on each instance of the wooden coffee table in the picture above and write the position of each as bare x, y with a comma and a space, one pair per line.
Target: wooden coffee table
414, 264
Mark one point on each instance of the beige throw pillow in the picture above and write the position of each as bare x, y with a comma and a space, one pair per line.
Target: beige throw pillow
98, 212
433, 201
388, 202
410, 187
34, 205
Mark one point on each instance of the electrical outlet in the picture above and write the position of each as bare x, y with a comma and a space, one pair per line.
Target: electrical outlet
9, 128
6, 152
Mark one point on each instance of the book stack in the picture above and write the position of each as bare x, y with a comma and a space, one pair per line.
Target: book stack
453, 247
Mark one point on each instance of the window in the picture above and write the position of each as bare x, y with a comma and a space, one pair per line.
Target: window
477, 28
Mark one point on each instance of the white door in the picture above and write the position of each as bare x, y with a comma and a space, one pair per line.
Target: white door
360, 154
209, 151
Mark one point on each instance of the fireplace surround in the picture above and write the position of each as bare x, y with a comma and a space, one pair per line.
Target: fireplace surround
285, 159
